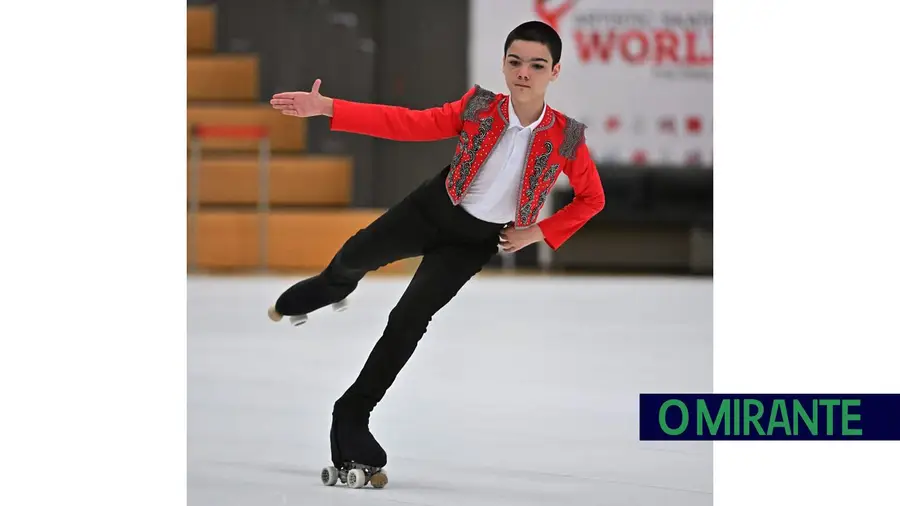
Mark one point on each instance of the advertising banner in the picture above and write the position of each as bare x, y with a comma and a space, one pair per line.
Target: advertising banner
639, 73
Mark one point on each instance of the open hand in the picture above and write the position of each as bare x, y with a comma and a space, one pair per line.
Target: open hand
303, 104
513, 239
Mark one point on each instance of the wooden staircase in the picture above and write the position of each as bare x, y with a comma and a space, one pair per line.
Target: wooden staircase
309, 215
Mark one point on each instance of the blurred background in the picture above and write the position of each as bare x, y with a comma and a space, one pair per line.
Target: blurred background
498, 406
638, 73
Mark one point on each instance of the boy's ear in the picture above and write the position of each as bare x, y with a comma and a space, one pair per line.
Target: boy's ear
554, 73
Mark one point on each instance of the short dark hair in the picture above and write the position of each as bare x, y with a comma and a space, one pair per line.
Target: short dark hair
537, 31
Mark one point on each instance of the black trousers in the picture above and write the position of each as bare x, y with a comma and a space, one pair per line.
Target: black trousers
454, 247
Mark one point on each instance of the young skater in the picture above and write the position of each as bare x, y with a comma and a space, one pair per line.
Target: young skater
512, 148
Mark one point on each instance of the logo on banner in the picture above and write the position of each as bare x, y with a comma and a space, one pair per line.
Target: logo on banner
639, 157
693, 157
667, 125
552, 15
693, 124
612, 124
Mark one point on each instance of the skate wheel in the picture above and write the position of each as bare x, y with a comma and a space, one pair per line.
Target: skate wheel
356, 478
379, 479
329, 475
340, 305
274, 315
299, 319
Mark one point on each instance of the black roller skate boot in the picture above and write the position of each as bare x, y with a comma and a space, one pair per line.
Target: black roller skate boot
356, 456
307, 296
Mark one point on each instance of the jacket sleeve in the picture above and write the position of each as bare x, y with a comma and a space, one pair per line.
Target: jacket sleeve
400, 123
589, 200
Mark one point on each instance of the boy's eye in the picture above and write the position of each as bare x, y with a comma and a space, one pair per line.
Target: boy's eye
538, 66
514, 63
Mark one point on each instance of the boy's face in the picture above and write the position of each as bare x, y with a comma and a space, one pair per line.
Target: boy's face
527, 69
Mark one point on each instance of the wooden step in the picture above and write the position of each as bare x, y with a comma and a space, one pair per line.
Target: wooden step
223, 77
297, 240
312, 180
287, 133
310, 239
225, 241
201, 29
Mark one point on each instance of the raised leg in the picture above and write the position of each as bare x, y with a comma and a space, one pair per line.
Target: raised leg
402, 232
442, 273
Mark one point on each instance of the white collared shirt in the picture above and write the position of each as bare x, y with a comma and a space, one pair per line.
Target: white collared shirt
493, 195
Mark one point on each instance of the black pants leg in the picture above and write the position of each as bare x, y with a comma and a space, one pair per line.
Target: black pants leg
402, 232
441, 274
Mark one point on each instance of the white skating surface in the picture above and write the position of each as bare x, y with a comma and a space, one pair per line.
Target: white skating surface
524, 391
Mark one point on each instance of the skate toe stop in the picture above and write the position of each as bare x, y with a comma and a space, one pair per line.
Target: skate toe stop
274, 315
379, 479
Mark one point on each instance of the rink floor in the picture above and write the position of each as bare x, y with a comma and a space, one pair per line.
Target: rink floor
524, 391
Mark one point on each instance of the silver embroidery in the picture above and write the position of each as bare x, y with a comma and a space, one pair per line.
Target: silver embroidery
534, 179
503, 109
479, 101
548, 177
484, 126
460, 149
573, 136
550, 174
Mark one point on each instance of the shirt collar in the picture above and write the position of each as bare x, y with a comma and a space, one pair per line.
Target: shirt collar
514, 120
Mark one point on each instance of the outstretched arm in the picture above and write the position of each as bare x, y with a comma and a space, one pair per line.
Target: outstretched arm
383, 121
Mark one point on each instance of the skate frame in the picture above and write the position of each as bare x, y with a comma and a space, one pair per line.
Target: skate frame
369, 475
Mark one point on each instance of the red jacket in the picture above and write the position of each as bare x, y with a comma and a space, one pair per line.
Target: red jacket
478, 119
